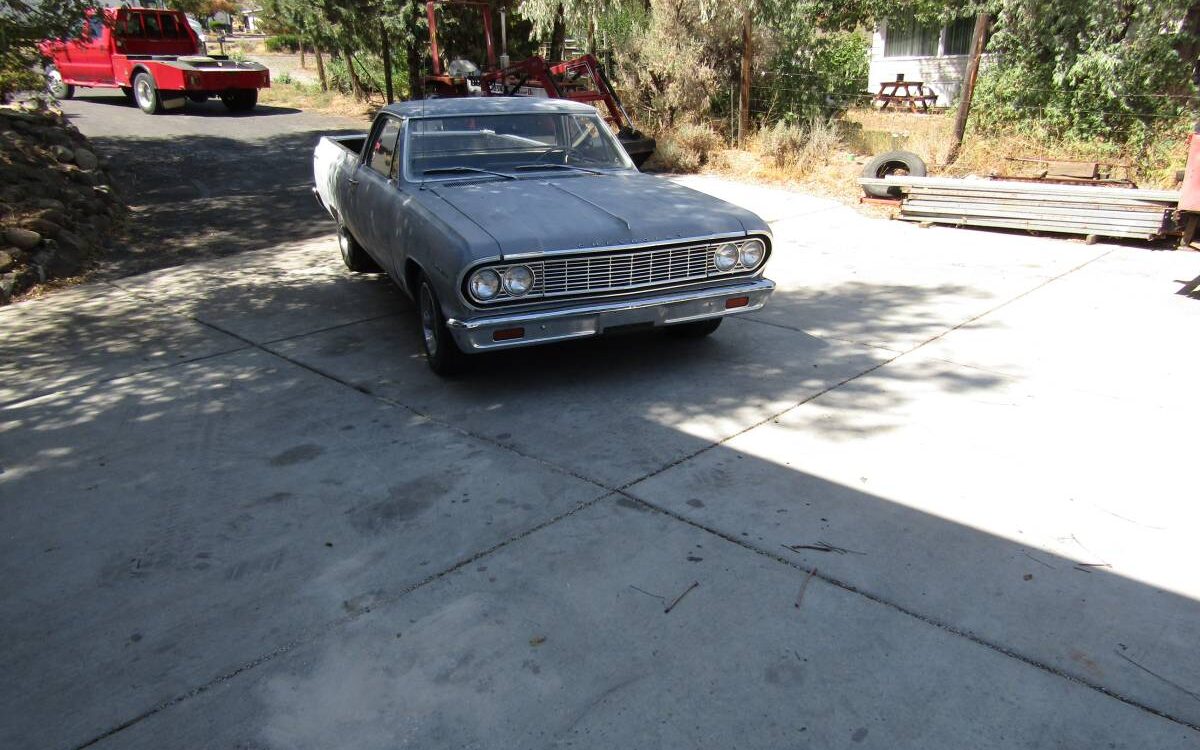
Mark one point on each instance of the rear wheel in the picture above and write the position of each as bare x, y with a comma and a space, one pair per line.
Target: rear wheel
240, 100
441, 351
145, 94
55, 84
697, 330
353, 254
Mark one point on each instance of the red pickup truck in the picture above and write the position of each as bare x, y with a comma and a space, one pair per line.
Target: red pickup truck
151, 55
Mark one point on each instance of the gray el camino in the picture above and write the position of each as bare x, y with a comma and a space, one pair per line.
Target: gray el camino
517, 221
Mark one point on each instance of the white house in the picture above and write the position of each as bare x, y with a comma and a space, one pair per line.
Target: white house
936, 56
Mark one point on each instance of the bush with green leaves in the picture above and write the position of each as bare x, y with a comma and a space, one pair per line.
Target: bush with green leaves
24, 23
282, 43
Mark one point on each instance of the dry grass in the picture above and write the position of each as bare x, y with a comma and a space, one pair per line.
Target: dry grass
311, 98
827, 160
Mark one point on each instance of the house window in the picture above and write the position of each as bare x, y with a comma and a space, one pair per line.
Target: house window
958, 37
907, 38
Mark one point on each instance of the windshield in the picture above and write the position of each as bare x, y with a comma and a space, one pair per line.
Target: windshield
509, 144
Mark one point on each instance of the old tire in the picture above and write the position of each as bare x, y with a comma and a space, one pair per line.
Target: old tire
441, 351
353, 255
697, 330
55, 84
145, 94
240, 100
892, 162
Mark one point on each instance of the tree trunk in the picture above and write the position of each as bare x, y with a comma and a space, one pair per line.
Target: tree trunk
412, 51
558, 36
747, 60
387, 63
968, 89
321, 68
303, 61
1188, 45
356, 85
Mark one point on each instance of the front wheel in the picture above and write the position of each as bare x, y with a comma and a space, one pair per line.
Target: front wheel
696, 330
240, 100
145, 94
441, 351
353, 254
55, 84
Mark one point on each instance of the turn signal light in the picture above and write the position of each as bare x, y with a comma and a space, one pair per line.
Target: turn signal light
508, 334
733, 302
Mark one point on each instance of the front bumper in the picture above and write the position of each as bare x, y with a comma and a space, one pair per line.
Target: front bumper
590, 319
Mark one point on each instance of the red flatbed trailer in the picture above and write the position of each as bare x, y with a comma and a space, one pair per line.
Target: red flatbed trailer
151, 55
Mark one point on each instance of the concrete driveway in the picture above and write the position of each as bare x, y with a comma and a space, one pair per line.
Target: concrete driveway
938, 494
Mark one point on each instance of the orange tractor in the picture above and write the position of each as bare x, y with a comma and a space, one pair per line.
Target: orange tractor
581, 79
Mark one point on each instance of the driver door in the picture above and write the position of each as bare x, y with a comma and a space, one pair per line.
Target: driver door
375, 215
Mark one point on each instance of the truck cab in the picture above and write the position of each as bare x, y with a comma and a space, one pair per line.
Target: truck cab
152, 55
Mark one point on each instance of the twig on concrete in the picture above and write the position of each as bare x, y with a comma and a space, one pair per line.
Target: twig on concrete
647, 593
1039, 562
1175, 685
804, 586
679, 598
1087, 567
823, 547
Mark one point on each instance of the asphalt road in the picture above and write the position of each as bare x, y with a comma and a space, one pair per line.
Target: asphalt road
937, 495
202, 182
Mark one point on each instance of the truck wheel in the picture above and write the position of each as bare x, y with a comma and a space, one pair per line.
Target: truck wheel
240, 100
55, 84
441, 352
353, 254
145, 94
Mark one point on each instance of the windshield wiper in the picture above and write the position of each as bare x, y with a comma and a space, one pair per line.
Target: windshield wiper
537, 165
462, 170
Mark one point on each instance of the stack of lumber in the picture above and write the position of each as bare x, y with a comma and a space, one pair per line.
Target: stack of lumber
1046, 207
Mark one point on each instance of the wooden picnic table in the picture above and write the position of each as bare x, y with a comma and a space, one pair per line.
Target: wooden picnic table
890, 93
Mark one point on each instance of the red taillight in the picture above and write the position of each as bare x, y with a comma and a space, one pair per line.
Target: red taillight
508, 334
733, 302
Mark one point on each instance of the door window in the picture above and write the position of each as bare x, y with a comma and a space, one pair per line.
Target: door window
383, 150
95, 28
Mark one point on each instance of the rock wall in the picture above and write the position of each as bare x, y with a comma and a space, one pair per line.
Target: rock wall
58, 207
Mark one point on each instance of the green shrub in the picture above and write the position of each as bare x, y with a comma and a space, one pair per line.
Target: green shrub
687, 147
283, 43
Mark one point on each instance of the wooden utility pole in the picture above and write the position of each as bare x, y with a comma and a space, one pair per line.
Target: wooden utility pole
387, 64
968, 89
747, 59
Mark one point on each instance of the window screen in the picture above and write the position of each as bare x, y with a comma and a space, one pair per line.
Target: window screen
958, 37
906, 38
384, 148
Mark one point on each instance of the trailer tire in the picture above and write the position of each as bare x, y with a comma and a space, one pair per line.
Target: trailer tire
240, 100
892, 162
145, 94
55, 84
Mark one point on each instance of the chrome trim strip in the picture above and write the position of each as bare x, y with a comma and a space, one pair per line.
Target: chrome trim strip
758, 285
663, 243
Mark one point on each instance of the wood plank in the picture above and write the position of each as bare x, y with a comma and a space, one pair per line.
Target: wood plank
1137, 217
1029, 226
981, 195
1022, 187
1089, 227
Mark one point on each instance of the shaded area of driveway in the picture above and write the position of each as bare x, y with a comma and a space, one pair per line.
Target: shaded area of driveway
205, 183
911, 503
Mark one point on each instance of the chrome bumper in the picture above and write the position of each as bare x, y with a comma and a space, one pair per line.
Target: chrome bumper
544, 326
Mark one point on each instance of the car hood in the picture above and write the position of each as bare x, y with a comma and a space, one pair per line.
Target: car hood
582, 211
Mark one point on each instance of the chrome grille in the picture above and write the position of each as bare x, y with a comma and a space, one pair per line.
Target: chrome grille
621, 271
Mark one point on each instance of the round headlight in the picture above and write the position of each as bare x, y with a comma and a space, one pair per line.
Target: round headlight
726, 257
484, 284
518, 280
752, 254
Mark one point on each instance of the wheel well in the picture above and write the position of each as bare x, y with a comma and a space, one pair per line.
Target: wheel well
139, 69
412, 271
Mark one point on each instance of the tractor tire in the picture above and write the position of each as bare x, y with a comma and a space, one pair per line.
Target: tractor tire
145, 94
55, 84
240, 100
892, 162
